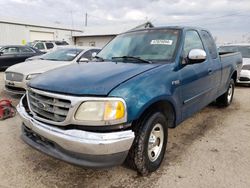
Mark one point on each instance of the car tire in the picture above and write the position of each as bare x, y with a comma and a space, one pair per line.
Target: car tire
226, 99
148, 149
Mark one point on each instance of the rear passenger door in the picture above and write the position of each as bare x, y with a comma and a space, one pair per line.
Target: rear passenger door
194, 78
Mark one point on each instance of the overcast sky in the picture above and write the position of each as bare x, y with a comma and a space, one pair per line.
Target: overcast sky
228, 20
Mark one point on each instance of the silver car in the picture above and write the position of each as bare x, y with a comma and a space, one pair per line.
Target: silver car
245, 51
17, 76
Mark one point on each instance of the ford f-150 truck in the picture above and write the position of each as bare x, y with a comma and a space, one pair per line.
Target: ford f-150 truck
119, 108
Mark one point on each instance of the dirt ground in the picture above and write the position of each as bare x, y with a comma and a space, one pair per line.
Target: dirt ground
211, 149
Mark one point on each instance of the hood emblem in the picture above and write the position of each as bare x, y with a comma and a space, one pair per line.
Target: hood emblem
41, 105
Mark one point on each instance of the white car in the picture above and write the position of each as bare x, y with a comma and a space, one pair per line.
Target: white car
17, 76
245, 52
46, 46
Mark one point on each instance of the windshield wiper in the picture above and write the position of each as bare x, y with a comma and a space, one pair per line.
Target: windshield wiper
133, 58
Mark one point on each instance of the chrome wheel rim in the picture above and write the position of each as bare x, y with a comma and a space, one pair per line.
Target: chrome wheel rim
155, 142
230, 93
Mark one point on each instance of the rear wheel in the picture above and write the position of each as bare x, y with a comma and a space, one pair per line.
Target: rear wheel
149, 145
226, 99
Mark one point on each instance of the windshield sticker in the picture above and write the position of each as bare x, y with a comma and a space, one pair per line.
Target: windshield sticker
161, 42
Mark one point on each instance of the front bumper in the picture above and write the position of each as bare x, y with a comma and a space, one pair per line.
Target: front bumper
16, 87
244, 77
78, 147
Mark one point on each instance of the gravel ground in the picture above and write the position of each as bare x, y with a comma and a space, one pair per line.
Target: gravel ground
211, 149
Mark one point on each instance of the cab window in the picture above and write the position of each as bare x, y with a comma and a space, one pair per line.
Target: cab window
39, 46
210, 44
49, 45
192, 41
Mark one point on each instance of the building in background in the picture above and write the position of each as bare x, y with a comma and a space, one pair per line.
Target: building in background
21, 32
101, 35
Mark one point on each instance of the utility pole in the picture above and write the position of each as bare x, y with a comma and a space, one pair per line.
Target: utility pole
86, 19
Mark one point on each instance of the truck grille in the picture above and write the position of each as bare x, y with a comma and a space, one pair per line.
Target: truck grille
244, 79
47, 107
246, 67
12, 76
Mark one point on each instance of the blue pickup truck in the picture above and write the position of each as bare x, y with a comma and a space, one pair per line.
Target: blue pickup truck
119, 108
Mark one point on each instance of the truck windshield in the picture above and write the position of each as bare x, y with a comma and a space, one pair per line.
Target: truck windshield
150, 45
62, 54
245, 50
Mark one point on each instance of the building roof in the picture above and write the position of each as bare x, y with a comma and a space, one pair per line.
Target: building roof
110, 30
37, 24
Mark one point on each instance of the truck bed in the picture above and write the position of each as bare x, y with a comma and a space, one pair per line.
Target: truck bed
227, 60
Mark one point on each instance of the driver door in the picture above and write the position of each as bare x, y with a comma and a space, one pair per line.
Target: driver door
194, 78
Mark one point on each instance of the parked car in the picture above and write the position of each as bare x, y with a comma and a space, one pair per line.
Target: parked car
13, 54
46, 46
100, 114
244, 49
17, 76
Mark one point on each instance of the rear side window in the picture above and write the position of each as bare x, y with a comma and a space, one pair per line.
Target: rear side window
49, 45
10, 50
25, 50
192, 41
209, 43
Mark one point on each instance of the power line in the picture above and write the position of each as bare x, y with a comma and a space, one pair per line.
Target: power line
213, 18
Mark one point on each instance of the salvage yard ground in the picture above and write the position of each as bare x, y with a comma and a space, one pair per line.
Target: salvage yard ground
211, 149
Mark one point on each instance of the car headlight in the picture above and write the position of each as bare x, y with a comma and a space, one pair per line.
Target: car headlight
110, 111
31, 76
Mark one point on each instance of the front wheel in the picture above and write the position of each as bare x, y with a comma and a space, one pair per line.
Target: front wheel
149, 145
226, 99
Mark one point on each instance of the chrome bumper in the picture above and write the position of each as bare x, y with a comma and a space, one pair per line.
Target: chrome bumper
14, 84
79, 141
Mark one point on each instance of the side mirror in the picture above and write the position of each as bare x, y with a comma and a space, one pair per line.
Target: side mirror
196, 56
83, 59
94, 54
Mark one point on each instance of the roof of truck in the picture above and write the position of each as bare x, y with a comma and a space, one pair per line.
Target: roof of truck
169, 27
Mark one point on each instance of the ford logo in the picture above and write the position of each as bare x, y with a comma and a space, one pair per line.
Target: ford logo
41, 105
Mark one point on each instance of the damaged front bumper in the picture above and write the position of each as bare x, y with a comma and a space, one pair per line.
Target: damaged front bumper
88, 149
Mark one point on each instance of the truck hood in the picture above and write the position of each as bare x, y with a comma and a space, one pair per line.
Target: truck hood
95, 78
36, 66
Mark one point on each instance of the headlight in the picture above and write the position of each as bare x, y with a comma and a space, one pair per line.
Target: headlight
110, 111
31, 76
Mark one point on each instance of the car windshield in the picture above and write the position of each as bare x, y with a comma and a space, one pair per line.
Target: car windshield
151, 45
245, 50
62, 54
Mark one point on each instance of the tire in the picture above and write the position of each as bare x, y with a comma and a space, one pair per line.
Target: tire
226, 99
148, 149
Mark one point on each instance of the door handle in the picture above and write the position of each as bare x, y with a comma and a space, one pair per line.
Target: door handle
210, 71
